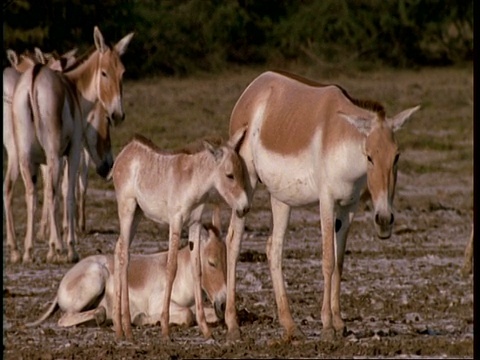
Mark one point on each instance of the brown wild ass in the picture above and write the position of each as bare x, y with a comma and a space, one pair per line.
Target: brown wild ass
312, 143
86, 291
171, 187
11, 74
50, 111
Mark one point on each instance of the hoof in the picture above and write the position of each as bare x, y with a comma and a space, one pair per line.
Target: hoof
100, 315
15, 257
233, 335
328, 334
27, 259
73, 257
293, 335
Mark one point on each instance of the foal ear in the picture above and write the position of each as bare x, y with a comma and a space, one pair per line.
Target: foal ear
217, 152
398, 120
121, 46
236, 140
99, 40
12, 57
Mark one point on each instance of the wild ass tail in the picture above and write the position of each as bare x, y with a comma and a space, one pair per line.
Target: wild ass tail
51, 310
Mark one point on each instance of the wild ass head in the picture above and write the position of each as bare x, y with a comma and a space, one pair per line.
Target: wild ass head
381, 152
109, 74
230, 181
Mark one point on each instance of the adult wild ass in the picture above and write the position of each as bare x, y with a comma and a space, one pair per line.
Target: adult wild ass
11, 74
50, 111
86, 291
171, 187
312, 143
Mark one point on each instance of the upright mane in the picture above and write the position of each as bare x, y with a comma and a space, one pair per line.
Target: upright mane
366, 104
81, 59
189, 149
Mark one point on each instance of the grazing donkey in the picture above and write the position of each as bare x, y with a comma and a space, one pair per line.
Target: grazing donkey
50, 113
11, 74
170, 187
86, 291
312, 143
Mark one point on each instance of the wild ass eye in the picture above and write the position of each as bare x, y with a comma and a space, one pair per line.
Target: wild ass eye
230, 176
104, 74
212, 264
369, 158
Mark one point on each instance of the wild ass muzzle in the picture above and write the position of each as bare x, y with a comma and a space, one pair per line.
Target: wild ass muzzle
50, 113
171, 187
86, 293
311, 143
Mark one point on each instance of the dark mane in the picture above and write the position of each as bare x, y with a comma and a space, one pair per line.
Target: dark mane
366, 104
189, 149
81, 59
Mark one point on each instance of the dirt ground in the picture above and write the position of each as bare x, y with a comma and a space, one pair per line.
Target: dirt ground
404, 297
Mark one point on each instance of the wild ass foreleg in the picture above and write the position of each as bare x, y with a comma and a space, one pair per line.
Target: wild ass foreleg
173, 241
342, 226
51, 188
82, 190
10, 179
194, 234
328, 263
281, 215
234, 236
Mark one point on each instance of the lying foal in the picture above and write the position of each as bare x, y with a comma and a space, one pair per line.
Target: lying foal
86, 291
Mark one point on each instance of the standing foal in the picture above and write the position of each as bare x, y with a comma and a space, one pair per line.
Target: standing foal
171, 188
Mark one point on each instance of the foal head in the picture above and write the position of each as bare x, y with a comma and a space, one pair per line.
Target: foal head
382, 156
213, 257
109, 74
230, 181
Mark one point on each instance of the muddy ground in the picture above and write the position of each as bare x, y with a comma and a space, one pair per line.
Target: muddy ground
401, 298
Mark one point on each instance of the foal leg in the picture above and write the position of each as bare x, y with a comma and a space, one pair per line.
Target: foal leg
281, 215
129, 216
174, 239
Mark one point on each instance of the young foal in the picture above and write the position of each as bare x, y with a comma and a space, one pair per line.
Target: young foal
86, 291
170, 188
11, 74
310, 143
49, 110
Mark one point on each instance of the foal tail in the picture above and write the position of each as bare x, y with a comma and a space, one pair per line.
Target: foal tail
51, 310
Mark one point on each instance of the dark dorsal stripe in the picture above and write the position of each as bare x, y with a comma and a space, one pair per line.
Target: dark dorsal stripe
363, 103
192, 148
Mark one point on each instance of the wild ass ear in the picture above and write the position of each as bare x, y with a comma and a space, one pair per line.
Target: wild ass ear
398, 120
12, 57
216, 221
217, 152
99, 41
121, 46
236, 140
362, 124
40, 56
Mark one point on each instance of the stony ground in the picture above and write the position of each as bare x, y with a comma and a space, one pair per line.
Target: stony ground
401, 298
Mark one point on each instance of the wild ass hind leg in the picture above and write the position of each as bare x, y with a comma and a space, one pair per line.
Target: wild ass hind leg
29, 176
342, 226
280, 215
72, 169
42, 233
51, 188
99, 315
9, 181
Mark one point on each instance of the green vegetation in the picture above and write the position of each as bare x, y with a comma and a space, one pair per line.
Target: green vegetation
179, 37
